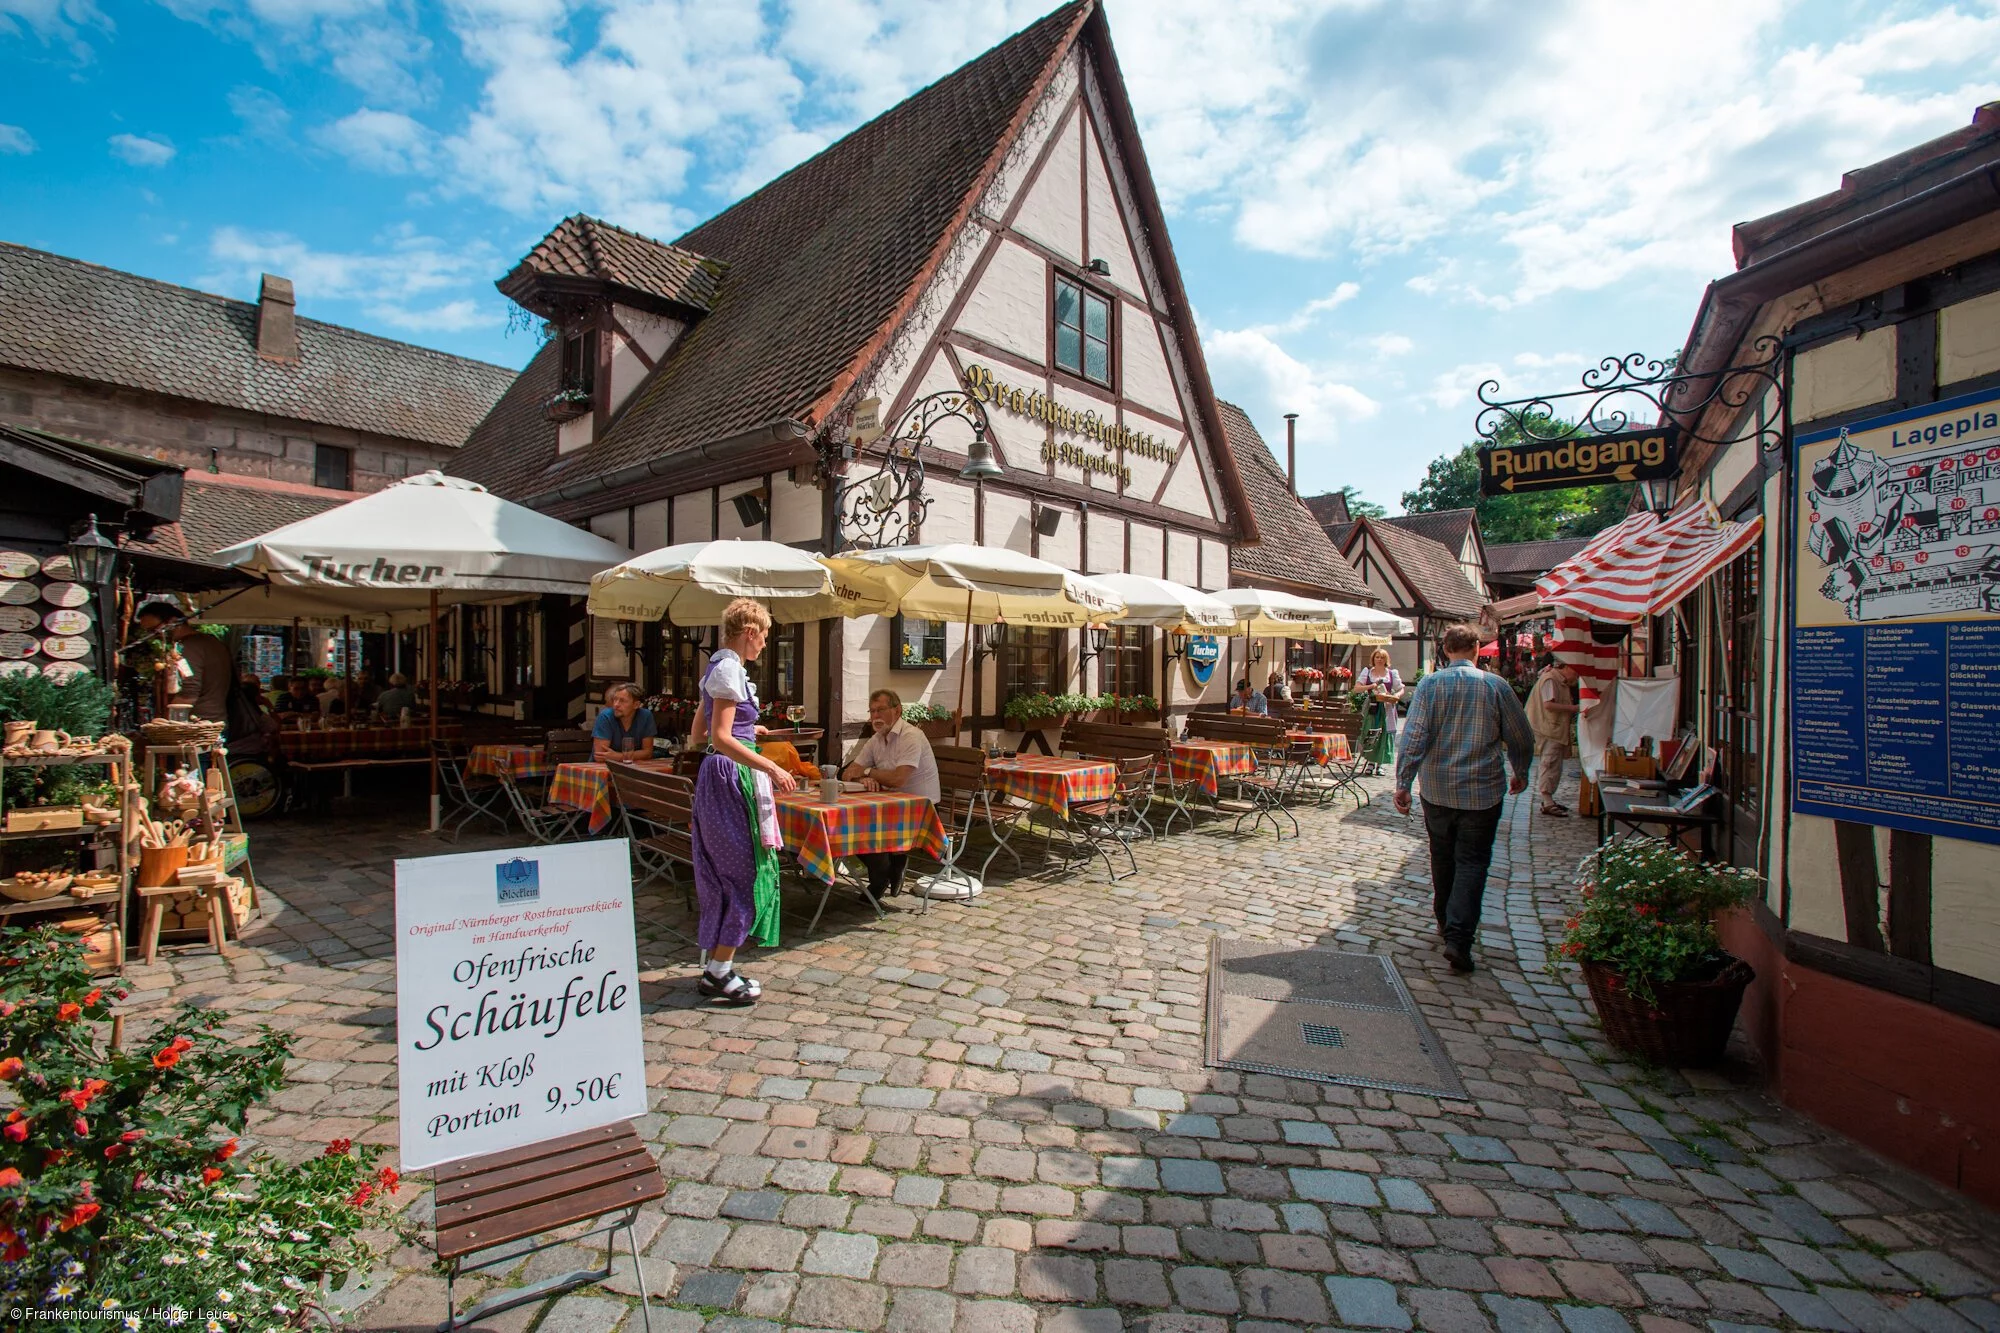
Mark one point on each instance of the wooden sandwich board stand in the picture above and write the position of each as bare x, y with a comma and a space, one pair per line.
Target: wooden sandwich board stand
519, 1058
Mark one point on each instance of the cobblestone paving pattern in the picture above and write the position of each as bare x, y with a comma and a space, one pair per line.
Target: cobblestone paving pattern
995, 1119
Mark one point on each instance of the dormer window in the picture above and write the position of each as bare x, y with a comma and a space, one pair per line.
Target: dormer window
579, 362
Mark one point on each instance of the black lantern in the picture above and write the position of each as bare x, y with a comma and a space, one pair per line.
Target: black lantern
1658, 494
1094, 640
988, 641
93, 555
1177, 646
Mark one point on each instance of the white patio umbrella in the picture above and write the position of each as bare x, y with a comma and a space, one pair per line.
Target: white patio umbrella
1261, 612
393, 557
1164, 604
691, 584
1364, 625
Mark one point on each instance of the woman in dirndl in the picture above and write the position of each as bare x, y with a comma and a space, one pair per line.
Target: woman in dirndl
1384, 687
735, 825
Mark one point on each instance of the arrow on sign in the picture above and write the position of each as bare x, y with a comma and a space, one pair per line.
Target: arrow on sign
1624, 472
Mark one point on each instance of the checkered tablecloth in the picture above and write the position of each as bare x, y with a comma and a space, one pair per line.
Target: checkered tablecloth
1329, 747
363, 742
523, 761
588, 787
1207, 763
1052, 783
820, 834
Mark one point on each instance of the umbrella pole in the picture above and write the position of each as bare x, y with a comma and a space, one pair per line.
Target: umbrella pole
965, 663
436, 812
346, 671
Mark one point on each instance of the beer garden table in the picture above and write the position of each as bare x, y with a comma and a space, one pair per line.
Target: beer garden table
1053, 783
1328, 746
326, 746
819, 833
588, 787
1207, 763
519, 761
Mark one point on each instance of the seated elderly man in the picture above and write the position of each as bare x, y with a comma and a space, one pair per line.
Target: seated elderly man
1247, 700
392, 701
625, 728
896, 758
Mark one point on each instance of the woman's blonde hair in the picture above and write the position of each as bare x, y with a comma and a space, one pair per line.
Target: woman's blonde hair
741, 614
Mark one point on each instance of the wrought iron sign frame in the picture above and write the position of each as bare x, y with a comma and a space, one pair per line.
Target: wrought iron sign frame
1680, 397
886, 507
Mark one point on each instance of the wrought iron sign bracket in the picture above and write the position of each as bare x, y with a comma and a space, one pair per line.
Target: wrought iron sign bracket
886, 506
1604, 403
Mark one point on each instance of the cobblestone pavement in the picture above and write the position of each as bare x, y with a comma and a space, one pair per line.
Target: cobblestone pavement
996, 1117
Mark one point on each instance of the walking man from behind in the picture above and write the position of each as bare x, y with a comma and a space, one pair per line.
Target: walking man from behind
1464, 728
1552, 715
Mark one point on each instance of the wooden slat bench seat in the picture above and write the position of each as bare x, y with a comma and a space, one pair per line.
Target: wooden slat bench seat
530, 1191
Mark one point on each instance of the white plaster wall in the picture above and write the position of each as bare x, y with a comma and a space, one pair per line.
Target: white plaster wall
1082, 401
694, 520
649, 526
864, 645
1147, 473
1052, 211
1065, 545
1815, 872
1843, 375
950, 516
1729, 469
1042, 122
654, 335
1214, 565
1007, 522
1183, 549
1107, 544
795, 511
1009, 307
1107, 231
1969, 338
613, 527
1148, 550
575, 433
1146, 376
1186, 490
1965, 910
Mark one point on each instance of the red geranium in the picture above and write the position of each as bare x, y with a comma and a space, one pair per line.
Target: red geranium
78, 1215
339, 1147
210, 1174
170, 1055
68, 1011
388, 1177
9, 1178
362, 1195
226, 1151
16, 1128
10, 1068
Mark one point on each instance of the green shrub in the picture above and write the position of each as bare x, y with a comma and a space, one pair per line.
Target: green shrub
82, 706
1027, 711
918, 711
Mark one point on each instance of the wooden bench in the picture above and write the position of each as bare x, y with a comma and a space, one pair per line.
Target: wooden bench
1247, 728
530, 1191
1107, 740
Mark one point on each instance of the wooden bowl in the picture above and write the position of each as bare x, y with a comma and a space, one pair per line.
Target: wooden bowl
33, 891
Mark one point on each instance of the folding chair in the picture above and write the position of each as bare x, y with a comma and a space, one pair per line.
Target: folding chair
545, 823
1265, 793
466, 799
1116, 820
655, 811
964, 801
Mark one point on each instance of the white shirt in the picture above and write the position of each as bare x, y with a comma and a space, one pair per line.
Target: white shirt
903, 746
727, 680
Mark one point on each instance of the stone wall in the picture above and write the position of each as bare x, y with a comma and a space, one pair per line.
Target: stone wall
181, 431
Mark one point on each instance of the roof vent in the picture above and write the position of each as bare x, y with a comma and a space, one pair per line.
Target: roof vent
277, 320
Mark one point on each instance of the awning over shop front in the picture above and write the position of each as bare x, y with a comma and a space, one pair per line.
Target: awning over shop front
1646, 564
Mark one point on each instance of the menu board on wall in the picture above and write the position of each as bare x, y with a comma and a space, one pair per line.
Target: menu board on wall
1895, 667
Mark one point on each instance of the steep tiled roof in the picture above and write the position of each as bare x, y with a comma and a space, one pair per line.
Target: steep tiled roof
1446, 527
587, 250
1518, 561
219, 509
1329, 508
1429, 569
1292, 549
819, 264
70, 318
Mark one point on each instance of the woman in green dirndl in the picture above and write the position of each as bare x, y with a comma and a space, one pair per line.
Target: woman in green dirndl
1383, 686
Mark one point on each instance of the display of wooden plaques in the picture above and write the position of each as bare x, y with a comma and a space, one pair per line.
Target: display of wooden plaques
19, 645
64, 621
59, 566
18, 565
65, 594
64, 649
62, 673
19, 592
20, 669
18, 619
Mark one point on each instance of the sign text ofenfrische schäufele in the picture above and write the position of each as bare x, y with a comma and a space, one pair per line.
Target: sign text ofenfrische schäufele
518, 1015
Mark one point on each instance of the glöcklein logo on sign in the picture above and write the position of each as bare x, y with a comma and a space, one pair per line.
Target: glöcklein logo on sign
518, 881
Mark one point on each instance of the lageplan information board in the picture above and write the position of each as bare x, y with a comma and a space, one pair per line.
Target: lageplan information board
1895, 667
517, 998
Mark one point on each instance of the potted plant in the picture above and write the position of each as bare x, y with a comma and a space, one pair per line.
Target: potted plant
1645, 937
1047, 712
934, 720
566, 405
1131, 708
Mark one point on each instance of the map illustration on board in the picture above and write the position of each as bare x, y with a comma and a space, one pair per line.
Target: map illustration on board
1919, 536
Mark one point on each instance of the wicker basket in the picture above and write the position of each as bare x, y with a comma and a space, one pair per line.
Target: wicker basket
162, 731
1689, 1028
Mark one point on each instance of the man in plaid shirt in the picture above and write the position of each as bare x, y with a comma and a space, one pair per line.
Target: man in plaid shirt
1464, 728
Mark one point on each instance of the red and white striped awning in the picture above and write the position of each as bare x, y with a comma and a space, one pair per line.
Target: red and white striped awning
1646, 564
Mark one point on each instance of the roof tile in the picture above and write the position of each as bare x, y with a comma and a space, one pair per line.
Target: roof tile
1430, 569
1291, 549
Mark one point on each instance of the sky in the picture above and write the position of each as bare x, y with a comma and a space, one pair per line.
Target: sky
1375, 204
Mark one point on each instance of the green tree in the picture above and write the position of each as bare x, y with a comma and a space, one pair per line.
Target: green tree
1359, 507
1452, 482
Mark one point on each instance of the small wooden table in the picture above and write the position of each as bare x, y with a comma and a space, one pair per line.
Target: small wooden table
1617, 808
819, 834
530, 1191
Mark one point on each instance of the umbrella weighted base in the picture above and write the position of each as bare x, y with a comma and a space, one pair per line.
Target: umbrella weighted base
950, 886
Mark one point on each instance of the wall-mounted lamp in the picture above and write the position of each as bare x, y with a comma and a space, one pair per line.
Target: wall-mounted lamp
1092, 643
1658, 496
1047, 520
627, 634
1100, 267
1256, 651
751, 511
987, 641
1177, 647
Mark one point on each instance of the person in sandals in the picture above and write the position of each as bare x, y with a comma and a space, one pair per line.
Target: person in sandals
734, 828
1552, 713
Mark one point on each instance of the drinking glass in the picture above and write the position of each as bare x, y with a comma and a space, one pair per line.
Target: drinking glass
795, 714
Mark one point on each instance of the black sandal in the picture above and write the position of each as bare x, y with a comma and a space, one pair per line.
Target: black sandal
732, 988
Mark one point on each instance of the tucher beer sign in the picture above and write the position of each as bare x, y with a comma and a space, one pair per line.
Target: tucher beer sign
1588, 460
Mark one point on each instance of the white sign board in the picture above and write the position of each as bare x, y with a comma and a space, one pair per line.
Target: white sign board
517, 998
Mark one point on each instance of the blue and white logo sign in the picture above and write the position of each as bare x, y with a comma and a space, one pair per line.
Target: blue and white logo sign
1203, 652
520, 881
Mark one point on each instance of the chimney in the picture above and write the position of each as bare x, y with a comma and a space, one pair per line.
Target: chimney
1292, 451
277, 321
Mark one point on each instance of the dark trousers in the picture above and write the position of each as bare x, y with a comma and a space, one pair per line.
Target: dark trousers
1461, 849
885, 870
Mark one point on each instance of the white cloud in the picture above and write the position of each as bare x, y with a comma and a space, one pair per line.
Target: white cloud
1455, 387
1392, 344
1267, 381
398, 282
53, 21
14, 139
386, 141
261, 112
150, 150
1299, 319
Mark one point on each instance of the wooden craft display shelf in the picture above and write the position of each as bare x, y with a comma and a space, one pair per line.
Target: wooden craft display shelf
91, 835
201, 756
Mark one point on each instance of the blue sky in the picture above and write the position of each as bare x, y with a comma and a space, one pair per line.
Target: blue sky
1375, 203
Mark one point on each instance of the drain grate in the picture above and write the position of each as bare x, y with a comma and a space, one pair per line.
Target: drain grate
1319, 1034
